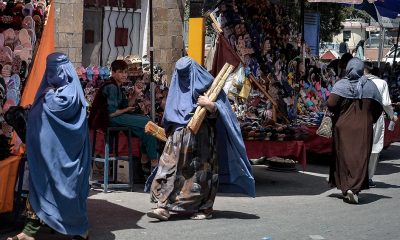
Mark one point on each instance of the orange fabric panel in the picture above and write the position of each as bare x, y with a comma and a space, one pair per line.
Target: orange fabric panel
39, 64
8, 176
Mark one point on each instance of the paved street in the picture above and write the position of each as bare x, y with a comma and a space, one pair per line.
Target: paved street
294, 205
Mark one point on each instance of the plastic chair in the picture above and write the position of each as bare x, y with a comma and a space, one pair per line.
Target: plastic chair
111, 138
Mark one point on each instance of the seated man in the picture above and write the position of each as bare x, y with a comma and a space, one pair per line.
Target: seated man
110, 108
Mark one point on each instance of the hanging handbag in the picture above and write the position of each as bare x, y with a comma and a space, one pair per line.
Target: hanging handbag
325, 129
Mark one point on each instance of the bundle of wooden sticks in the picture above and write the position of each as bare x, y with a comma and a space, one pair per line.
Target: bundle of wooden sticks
212, 93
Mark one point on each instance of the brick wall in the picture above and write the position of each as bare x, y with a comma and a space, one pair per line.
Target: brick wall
69, 28
167, 29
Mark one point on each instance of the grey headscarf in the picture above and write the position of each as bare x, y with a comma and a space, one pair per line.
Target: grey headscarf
355, 85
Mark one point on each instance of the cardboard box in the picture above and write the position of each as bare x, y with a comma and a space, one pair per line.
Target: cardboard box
123, 171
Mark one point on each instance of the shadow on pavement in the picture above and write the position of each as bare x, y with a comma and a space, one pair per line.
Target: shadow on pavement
234, 215
390, 153
364, 198
216, 215
109, 217
385, 185
272, 183
386, 167
104, 218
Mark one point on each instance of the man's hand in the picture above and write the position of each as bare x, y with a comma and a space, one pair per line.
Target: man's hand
129, 109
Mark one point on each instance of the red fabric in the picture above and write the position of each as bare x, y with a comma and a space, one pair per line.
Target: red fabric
316, 143
122, 144
223, 54
296, 149
99, 116
391, 137
321, 145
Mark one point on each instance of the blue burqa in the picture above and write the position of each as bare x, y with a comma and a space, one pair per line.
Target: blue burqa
58, 150
193, 80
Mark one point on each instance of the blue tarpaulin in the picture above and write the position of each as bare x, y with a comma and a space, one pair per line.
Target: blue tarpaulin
387, 8
311, 31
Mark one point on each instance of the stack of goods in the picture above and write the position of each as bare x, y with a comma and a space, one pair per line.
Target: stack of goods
264, 37
21, 25
91, 79
308, 103
260, 32
92, 75
274, 132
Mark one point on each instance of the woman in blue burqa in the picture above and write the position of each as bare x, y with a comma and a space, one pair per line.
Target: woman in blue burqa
58, 152
194, 166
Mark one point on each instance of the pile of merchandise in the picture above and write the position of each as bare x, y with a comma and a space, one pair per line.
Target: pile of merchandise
264, 37
21, 26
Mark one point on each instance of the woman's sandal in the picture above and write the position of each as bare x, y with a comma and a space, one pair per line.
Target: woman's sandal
159, 213
201, 216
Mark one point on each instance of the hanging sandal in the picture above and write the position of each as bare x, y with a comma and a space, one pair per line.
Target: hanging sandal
159, 213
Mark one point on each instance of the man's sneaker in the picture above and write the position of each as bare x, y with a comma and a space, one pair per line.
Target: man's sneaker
371, 183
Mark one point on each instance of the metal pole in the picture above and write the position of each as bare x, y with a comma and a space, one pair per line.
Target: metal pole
302, 21
302, 33
397, 44
151, 48
381, 45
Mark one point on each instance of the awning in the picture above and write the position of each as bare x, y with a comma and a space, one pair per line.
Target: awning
330, 55
387, 8
338, 1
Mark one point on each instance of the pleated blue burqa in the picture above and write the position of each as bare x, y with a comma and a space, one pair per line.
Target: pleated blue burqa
235, 174
58, 149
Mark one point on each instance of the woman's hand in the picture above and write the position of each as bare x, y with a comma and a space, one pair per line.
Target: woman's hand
204, 101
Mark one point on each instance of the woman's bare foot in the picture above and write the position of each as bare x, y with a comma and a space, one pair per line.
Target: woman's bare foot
21, 236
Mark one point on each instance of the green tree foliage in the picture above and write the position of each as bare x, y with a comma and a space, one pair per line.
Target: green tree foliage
332, 15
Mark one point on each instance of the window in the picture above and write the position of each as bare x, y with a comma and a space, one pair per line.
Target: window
346, 35
89, 36
121, 37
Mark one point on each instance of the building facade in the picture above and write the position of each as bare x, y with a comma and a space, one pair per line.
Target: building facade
95, 32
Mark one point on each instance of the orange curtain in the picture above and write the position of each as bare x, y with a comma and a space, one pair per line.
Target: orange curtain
8, 176
39, 64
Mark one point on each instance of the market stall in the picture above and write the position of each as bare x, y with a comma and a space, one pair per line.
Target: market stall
278, 92
26, 58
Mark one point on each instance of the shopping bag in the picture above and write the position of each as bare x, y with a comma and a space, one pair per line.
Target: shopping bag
325, 129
